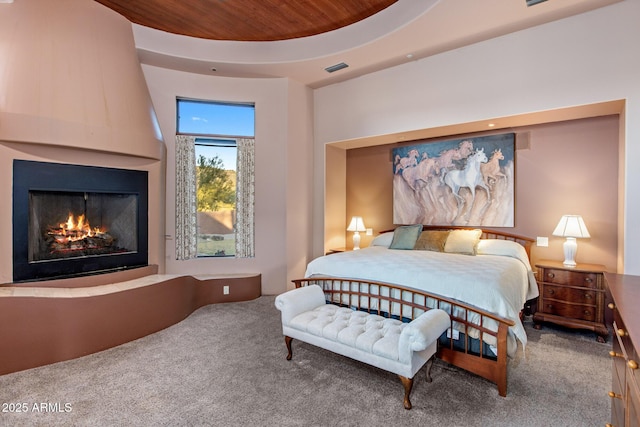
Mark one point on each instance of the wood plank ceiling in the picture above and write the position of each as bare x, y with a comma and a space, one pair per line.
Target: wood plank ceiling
246, 20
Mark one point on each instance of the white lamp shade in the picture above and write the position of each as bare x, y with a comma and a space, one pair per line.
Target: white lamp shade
356, 224
571, 226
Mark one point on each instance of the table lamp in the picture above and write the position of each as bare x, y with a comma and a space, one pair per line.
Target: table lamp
571, 227
356, 225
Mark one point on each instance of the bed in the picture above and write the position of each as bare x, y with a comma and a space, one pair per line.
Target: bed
482, 278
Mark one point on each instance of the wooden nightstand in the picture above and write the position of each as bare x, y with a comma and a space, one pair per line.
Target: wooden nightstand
572, 296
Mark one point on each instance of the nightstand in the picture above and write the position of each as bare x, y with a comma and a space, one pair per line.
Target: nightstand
572, 296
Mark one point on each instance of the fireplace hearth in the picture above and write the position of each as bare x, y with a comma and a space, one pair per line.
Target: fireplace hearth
71, 220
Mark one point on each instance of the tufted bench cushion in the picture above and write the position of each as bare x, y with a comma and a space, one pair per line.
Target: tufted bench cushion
389, 344
367, 332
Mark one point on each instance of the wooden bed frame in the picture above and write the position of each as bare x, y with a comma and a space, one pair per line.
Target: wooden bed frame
387, 299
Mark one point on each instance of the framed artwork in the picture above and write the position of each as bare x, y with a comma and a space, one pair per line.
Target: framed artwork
464, 182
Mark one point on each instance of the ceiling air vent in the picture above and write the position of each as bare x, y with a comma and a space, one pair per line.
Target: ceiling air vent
532, 2
336, 67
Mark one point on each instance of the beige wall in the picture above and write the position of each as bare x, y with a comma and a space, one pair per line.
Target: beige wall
566, 167
282, 177
546, 69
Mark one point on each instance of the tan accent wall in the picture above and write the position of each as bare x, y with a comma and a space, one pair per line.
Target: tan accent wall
565, 167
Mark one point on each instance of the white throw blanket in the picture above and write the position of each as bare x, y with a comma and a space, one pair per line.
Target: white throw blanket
500, 284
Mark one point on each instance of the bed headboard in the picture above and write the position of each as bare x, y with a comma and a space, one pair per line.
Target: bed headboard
527, 242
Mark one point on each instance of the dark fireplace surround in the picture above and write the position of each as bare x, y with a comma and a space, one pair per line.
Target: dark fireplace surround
72, 220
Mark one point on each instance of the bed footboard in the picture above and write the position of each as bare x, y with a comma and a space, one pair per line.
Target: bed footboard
407, 304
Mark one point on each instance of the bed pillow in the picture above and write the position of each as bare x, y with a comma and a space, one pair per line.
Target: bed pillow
504, 248
383, 239
405, 237
432, 240
463, 241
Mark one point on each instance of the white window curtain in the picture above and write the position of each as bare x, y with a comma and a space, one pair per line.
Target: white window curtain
186, 204
245, 194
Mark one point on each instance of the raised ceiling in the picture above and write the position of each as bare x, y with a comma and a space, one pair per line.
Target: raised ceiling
369, 35
247, 20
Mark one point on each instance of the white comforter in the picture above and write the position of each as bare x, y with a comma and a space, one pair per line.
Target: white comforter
500, 284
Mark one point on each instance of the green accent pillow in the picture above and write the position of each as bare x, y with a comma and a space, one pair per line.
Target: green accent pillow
432, 240
405, 237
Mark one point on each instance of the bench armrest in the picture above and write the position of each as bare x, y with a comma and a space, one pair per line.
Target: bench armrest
422, 331
299, 300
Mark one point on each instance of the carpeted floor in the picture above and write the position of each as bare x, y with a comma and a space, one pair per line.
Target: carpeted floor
225, 366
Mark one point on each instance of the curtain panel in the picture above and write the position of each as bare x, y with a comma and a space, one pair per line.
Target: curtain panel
245, 195
186, 204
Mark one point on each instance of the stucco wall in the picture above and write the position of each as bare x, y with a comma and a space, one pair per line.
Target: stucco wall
72, 91
585, 59
282, 133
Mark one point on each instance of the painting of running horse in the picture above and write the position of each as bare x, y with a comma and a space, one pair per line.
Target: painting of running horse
466, 182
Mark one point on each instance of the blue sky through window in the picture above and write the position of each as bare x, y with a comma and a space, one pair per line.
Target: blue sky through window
215, 118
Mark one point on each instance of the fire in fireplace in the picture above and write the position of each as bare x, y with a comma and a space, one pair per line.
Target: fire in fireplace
77, 238
74, 220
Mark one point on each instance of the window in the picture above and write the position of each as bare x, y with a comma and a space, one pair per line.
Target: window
219, 137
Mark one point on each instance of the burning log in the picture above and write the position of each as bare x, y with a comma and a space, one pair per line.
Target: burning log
78, 238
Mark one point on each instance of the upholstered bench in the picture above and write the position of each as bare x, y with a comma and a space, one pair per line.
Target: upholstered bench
389, 344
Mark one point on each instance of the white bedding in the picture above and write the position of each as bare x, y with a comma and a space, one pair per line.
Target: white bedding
500, 283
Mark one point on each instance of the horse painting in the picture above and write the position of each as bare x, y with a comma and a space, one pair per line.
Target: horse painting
441, 182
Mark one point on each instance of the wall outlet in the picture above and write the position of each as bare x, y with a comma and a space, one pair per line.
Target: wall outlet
225, 290
542, 241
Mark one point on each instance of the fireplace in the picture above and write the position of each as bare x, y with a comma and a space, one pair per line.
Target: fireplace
71, 220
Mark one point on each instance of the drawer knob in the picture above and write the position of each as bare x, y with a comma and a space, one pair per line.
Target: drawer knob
551, 292
614, 395
614, 354
611, 305
587, 313
621, 332
588, 280
587, 296
551, 275
549, 306
632, 364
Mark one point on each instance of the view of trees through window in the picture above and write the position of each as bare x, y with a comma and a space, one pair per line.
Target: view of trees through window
216, 198
216, 127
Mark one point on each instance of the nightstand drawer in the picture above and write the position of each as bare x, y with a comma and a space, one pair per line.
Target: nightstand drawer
577, 295
583, 312
570, 278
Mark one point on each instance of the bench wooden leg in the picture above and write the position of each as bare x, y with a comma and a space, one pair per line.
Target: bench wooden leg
429, 365
408, 385
287, 341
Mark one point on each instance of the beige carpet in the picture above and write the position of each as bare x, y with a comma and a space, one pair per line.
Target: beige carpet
225, 366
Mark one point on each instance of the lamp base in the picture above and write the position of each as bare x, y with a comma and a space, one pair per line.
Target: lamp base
570, 247
356, 240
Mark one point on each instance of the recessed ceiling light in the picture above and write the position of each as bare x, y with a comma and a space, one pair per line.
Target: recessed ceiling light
409, 56
491, 125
